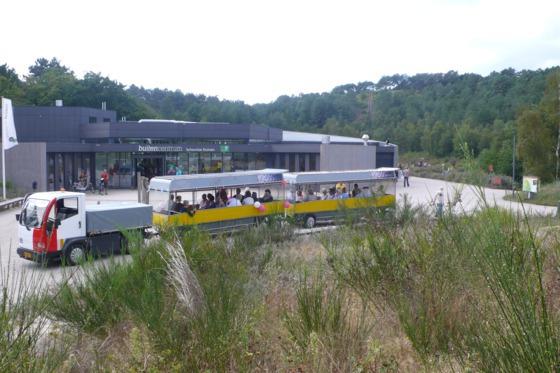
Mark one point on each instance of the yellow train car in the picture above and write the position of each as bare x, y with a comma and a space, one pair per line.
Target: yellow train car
310, 197
325, 196
222, 215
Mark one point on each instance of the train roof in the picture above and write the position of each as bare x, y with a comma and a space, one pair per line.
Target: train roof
333, 177
216, 180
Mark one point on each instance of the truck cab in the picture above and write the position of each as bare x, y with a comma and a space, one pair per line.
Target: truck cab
48, 223
59, 225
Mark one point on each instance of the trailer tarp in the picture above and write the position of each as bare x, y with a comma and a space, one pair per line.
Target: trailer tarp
113, 217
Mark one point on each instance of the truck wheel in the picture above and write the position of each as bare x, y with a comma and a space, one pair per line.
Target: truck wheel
75, 254
309, 221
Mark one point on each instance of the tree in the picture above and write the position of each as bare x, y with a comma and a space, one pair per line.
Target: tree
537, 130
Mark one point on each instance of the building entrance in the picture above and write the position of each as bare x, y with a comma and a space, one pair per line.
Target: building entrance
149, 166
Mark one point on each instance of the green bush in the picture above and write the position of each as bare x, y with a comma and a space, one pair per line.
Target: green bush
327, 334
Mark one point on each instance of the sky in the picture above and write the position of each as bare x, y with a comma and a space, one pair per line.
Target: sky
258, 50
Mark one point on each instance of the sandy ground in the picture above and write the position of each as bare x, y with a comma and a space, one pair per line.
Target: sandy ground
421, 191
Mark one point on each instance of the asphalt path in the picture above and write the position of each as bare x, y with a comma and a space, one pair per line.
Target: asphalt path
420, 192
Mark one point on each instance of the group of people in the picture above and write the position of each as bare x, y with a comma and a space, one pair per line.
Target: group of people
177, 205
337, 192
221, 199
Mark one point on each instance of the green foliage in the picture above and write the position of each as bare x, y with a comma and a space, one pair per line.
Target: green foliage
321, 325
24, 323
214, 334
472, 287
434, 113
538, 130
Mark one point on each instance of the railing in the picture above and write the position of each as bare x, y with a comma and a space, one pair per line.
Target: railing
11, 203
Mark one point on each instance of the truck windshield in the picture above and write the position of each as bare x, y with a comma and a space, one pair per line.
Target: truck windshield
32, 212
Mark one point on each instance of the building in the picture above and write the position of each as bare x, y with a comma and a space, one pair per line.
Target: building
57, 144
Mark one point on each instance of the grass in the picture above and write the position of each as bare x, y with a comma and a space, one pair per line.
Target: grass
400, 292
24, 344
329, 334
548, 195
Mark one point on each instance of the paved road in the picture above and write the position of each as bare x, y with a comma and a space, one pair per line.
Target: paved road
421, 191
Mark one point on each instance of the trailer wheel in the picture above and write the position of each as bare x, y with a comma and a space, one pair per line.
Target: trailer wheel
75, 254
309, 221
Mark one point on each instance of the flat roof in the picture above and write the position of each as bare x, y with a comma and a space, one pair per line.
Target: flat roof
293, 136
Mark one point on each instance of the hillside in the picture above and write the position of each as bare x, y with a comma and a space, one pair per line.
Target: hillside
432, 113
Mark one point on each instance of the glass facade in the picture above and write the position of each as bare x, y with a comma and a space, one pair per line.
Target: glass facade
239, 162
227, 162
204, 163
63, 169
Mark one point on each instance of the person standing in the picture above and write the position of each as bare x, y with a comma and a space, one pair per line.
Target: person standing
440, 200
105, 180
406, 174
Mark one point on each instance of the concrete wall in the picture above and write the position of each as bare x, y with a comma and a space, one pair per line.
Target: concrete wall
336, 157
25, 163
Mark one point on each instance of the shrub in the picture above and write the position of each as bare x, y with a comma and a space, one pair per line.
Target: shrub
328, 335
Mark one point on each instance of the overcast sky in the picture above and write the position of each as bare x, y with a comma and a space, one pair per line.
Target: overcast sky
257, 50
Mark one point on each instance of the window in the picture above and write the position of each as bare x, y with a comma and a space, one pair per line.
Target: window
193, 162
301, 160
66, 208
92, 120
204, 164
260, 161
216, 164
251, 161
106, 120
50, 172
312, 162
227, 162
239, 161
292, 162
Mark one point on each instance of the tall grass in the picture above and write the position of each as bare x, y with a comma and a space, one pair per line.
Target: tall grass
24, 346
469, 286
326, 325
190, 297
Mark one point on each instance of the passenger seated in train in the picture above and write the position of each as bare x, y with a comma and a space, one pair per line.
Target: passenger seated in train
332, 193
222, 198
267, 197
366, 193
310, 196
248, 200
299, 196
343, 194
211, 204
233, 202
177, 205
203, 203
189, 209
356, 191
238, 194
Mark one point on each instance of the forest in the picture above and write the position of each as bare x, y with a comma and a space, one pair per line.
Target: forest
435, 113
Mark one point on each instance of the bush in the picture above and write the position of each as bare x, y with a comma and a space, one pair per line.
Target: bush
328, 336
